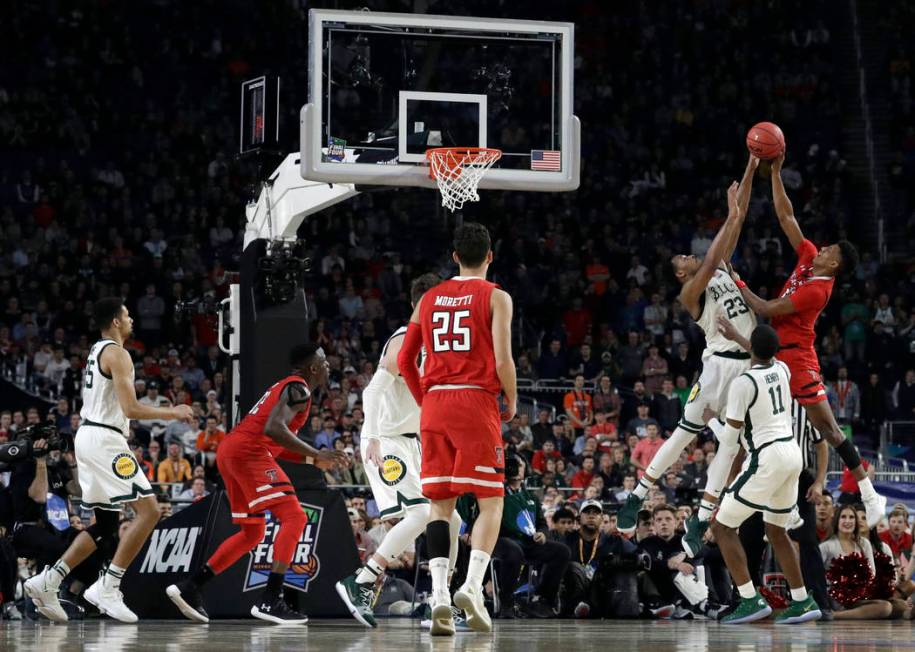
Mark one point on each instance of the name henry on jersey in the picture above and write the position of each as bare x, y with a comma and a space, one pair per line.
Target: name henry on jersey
453, 302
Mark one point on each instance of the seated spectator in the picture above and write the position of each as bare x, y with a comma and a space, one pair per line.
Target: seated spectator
364, 543
325, 438
583, 476
547, 451
208, 440
607, 400
563, 522
638, 425
623, 494
646, 449
174, 468
197, 491
667, 407
145, 464
542, 430
897, 537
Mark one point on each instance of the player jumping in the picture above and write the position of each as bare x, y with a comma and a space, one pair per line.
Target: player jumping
767, 482
256, 483
793, 315
707, 292
465, 325
389, 436
109, 474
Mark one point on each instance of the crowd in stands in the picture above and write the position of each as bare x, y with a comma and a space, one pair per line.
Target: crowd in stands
116, 179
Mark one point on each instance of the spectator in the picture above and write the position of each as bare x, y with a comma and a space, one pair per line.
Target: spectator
197, 491
897, 537
328, 434
646, 449
904, 396
654, 370
542, 430
607, 400
844, 398
623, 494
150, 310
174, 468
547, 451
638, 425
585, 474
209, 439
825, 510
578, 406
667, 407
553, 363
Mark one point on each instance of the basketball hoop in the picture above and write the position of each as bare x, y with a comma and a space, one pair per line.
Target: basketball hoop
458, 170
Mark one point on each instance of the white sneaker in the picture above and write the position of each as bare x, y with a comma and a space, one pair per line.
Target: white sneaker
875, 509
442, 620
45, 597
109, 601
472, 603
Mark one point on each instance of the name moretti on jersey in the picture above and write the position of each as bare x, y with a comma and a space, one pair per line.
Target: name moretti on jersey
453, 302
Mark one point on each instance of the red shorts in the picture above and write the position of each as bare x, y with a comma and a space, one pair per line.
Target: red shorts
806, 382
462, 444
254, 481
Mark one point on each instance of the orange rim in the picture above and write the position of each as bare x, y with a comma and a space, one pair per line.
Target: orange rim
452, 158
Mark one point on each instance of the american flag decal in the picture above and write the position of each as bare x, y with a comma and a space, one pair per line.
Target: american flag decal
546, 159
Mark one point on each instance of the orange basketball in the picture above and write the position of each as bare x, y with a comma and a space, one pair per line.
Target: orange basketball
765, 140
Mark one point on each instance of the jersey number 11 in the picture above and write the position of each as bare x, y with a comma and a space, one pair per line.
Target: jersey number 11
777, 405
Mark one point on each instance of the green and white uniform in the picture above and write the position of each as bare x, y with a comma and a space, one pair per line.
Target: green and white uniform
392, 417
761, 399
722, 360
108, 472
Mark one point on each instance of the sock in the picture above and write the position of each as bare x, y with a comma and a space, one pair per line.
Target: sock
113, 576
476, 570
202, 576
706, 508
274, 586
641, 489
370, 571
438, 569
56, 574
867, 489
799, 595
747, 590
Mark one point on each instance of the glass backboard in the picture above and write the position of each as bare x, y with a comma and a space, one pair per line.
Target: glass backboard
384, 88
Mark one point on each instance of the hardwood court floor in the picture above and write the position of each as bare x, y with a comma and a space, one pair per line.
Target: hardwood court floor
403, 635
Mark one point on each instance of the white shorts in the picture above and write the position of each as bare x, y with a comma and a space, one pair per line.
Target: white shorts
711, 390
396, 484
108, 472
767, 483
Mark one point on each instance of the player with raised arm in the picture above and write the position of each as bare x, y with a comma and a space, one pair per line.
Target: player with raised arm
256, 483
390, 438
758, 416
707, 292
109, 474
465, 325
793, 315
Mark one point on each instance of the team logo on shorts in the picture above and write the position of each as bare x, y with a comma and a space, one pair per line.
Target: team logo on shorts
694, 392
125, 466
500, 457
272, 474
392, 470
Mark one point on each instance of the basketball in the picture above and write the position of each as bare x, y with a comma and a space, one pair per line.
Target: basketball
765, 140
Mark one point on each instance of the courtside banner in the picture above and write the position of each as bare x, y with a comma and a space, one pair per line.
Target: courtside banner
178, 546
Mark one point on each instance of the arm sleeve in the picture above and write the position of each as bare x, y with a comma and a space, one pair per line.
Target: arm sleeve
809, 297
371, 396
406, 360
741, 394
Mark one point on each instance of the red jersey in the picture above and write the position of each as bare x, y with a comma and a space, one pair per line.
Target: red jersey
252, 426
809, 295
456, 323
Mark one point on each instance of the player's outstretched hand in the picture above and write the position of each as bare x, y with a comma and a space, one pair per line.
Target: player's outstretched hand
509, 412
777, 163
373, 452
335, 457
727, 329
185, 413
753, 162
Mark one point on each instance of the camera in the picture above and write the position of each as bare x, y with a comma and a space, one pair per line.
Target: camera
23, 447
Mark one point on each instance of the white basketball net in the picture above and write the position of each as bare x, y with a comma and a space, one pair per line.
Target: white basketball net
458, 171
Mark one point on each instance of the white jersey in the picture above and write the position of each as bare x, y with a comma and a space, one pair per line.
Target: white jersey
100, 404
397, 410
722, 299
761, 399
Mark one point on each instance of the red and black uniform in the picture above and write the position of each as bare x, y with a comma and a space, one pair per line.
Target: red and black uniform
460, 423
247, 457
809, 294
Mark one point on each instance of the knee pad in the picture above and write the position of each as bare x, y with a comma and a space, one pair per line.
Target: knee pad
253, 532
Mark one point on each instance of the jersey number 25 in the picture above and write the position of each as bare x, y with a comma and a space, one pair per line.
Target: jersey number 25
449, 333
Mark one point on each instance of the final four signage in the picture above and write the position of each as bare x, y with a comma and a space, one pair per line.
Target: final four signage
305, 564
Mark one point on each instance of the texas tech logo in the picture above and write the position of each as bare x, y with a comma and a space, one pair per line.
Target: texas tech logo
170, 550
305, 565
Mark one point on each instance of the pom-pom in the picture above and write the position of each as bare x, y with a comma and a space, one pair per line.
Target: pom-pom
884, 579
850, 579
775, 600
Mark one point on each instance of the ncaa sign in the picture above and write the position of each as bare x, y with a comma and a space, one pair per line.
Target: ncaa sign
305, 564
171, 550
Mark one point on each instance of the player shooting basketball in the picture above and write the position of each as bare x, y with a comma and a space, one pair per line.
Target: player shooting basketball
793, 315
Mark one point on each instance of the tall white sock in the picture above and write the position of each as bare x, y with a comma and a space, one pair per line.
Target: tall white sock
668, 453
479, 562
747, 590
641, 489
56, 574
867, 489
113, 576
438, 569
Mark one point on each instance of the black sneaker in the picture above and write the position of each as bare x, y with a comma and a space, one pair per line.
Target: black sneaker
539, 609
278, 612
189, 601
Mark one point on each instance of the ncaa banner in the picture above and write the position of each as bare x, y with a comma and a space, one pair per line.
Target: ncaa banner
179, 545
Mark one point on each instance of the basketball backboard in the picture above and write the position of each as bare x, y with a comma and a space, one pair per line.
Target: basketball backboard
384, 88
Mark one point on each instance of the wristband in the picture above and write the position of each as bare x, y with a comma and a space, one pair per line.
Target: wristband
740, 284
